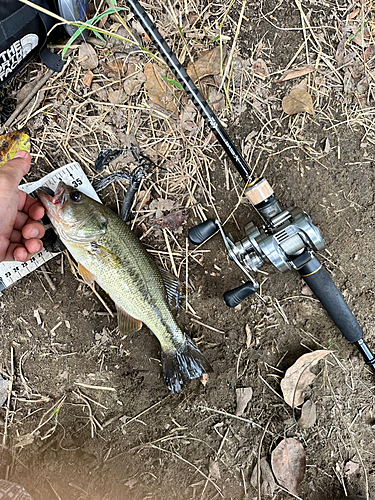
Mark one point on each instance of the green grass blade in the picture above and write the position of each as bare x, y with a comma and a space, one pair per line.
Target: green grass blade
172, 82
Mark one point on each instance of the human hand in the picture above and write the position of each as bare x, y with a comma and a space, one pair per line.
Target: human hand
20, 231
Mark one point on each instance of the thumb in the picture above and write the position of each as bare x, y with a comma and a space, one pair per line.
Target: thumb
13, 170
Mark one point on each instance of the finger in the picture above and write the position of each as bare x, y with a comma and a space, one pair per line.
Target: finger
21, 219
17, 252
33, 230
16, 236
34, 208
13, 170
33, 246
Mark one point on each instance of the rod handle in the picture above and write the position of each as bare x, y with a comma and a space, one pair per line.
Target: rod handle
319, 281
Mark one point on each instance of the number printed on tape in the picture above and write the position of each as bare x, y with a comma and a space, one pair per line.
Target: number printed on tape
71, 174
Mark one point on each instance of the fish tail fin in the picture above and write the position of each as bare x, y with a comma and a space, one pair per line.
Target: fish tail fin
182, 365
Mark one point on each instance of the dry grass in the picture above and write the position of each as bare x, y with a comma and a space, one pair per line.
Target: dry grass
69, 121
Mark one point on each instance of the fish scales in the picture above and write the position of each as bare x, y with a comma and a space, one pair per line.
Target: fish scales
127, 273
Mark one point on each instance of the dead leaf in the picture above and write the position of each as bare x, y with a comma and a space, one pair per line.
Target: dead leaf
362, 38
87, 79
351, 468
161, 205
354, 14
24, 440
11, 143
87, 57
143, 198
298, 101
268, 483
173, 220
133, 84
99, 91
216, 100
116, 96
308, 415
299, 376
288, 461
244, 395
260, 68
187, 118
207, 64
158, 90
343, 56
249, 335
213, 469
114, 69
291, 73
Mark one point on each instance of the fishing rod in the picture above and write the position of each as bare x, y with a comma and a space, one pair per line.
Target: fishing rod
288, 239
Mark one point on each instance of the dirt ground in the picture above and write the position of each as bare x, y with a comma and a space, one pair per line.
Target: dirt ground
133, 440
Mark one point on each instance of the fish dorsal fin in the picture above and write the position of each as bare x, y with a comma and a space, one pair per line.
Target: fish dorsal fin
172, 287
86, 275
126, 323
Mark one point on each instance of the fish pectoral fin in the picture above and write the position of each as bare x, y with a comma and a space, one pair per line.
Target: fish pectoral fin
86, 275
126, 323
172, 287
105, 255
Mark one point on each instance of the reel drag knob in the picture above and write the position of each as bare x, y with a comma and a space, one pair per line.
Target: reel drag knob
234, 297
200, 233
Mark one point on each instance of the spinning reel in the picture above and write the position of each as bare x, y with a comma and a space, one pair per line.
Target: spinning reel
288, 239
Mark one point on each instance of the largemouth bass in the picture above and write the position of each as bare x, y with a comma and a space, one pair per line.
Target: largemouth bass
110, 254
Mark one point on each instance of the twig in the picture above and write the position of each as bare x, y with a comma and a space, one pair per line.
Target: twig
97, 387
47, 278
189, 463
226, 414
144, 411
26, 101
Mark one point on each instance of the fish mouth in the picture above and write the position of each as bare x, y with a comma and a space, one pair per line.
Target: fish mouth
53, 201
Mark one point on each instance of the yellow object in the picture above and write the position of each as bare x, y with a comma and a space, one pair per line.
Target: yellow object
11, 143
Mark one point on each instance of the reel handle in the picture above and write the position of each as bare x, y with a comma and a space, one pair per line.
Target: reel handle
200, 233
234, 297
319, 281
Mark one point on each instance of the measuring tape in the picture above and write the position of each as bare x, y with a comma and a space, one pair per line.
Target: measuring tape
71, 174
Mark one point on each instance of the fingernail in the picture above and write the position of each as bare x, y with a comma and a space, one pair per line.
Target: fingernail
20, 154
34, 233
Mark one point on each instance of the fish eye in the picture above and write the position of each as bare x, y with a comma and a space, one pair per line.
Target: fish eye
75, 196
